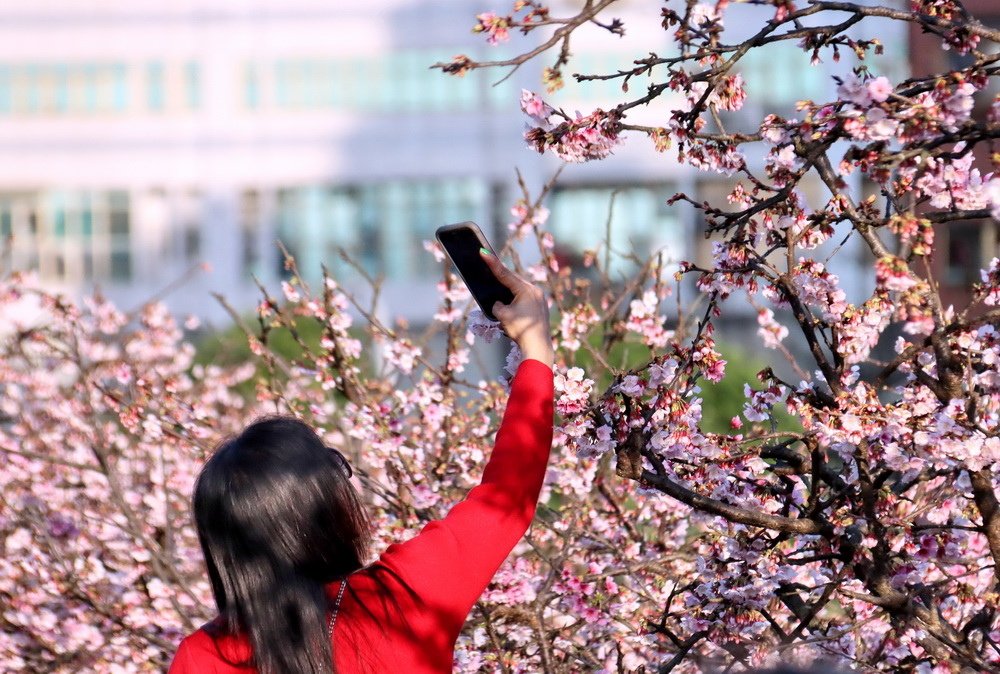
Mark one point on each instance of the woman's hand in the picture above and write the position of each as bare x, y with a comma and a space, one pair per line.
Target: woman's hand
526, 319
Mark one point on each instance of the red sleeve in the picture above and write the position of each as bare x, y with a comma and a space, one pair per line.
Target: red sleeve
451, 561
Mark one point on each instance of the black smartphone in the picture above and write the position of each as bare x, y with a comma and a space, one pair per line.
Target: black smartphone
462, 242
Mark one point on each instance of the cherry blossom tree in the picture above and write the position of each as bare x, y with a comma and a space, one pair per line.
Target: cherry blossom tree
866, 533
870, 535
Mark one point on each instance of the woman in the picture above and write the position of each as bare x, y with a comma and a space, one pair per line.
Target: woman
285, 538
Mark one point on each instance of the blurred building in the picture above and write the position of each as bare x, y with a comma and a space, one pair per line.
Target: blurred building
140, 139
963, 248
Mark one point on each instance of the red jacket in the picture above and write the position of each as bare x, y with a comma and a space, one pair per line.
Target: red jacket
403, 613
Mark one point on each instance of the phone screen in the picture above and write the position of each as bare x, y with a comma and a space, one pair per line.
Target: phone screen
463, 245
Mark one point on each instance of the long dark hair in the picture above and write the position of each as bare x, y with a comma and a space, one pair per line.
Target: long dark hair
278, 519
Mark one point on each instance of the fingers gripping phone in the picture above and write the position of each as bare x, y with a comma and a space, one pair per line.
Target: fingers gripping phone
462, 242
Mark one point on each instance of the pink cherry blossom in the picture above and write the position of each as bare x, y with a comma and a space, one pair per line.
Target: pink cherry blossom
771, 332
854, 90
879, 89
495, 27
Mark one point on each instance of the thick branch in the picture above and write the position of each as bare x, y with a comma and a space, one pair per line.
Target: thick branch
789, 525
989, 509
969, 24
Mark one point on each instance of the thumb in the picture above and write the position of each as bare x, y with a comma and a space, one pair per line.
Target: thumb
501, 272
500, 310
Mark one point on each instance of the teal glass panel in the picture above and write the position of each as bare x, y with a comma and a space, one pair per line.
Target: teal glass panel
281, 86
298, 85
156, 97
118, 205
363, 93
351, 82
60, 93
5, 90
6, 222
337, 84
90, 88
404, 68
638, 223
384, 93
502, 96
466, 92
54, 208
192, 84
370, 229
87, 222
435, 91
287, 215
251, 86
311, 230
105, 89
382, 226
390, 86
121, 265
33, 95
815, 82
312, 84
119, 87
398, 212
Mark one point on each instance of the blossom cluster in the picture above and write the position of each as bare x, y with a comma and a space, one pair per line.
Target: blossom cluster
579, 139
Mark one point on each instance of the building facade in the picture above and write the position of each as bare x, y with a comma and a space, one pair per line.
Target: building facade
143, 142
962, 248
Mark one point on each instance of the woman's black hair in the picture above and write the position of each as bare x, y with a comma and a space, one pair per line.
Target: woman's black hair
278, 520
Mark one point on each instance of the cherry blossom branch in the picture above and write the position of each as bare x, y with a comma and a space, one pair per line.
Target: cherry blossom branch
567, 26
789, 525
968, 22
989, 510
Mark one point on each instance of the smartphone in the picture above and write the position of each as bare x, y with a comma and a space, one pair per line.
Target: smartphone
462, 242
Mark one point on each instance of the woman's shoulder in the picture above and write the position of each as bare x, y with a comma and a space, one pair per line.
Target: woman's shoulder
211, 645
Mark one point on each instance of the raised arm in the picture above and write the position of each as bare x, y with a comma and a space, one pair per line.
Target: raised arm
451, 561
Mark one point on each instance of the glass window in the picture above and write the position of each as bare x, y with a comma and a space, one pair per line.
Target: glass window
33, 94
638, 223
119, 223
362, 79
384, 83
106, 86
6, 221
382, 225
121, 266
59, 222
311, 83
280, 84
192, 241
965, 253
336, 84
90, 88
782, 75
155, 87
293, 77
69, 235
87, 221
60, 89
119, 87
5, 90
250, 227
251, 86
118, 205
192, 84
404, 69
